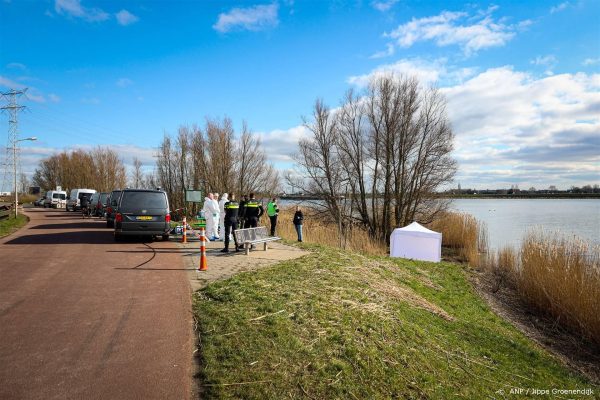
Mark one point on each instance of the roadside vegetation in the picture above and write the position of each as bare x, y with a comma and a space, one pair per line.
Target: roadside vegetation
559, 276
339, 324
11, 224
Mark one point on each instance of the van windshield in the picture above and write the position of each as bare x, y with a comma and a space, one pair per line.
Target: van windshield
143, 200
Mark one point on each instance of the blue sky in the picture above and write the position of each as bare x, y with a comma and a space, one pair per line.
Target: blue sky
521, 78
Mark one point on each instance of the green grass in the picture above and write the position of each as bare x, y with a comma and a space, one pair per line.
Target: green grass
10, 224
335, 325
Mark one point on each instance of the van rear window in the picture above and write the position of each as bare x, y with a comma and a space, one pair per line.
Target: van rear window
61, 196
144, 200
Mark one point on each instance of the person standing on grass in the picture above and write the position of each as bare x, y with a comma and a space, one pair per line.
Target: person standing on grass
298, 219
273, 212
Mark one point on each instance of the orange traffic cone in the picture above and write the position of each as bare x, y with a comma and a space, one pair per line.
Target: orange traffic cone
203, 263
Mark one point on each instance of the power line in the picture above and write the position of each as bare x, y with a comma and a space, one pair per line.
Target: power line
13, 109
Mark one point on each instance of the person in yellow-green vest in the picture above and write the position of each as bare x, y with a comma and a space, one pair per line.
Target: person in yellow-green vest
272, 212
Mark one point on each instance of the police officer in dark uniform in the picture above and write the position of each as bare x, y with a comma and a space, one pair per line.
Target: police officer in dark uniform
231, 222
253, 212
242, 213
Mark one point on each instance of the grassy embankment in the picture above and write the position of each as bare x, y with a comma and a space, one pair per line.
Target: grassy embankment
10, 224
338, 324
558, 275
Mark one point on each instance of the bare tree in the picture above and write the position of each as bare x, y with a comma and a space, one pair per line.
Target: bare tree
100, 169
254, 173
213, 159
24, 183
137, 176
318, 157
390, 145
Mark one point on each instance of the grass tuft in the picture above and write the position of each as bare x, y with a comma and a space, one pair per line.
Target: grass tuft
10, 224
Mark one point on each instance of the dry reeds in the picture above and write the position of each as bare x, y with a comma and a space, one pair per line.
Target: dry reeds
315, 230
462, 232
561, 276
501, 266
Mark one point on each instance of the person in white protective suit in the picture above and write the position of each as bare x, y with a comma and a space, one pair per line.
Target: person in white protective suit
224, 199
218, 216
211, 211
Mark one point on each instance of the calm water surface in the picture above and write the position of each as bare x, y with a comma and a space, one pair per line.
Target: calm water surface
508, 220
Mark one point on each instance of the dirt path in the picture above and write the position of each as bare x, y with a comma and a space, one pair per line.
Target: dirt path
82, 317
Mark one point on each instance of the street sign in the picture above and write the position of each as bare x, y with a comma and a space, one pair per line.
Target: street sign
193, 196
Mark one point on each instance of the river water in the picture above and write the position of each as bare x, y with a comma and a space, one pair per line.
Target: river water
508, 220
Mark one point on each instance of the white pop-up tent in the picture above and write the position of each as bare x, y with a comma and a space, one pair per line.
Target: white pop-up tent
416, 242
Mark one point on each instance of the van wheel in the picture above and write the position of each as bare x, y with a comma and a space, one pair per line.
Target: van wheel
165, 237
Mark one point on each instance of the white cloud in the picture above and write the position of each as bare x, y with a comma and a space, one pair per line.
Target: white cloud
125, 18
90, 100
560, 7
15, 65
383, 5
32, 93
548, 61
513, 127
544, 60
124, 82
10, 84
427, 72
470, 33
30, 156
389, 51
254, 18
54, 98
73, 8
281, 144
591, 61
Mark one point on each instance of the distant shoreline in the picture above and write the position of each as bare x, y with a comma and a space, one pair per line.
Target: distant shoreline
523, 196
481, 196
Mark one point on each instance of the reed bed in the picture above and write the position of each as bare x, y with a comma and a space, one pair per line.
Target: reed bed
561, 276
316, 230
464, 233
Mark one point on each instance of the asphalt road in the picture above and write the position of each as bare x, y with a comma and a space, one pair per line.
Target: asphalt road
83, 317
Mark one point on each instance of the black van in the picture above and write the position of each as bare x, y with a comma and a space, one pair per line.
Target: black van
143, 212
112, 203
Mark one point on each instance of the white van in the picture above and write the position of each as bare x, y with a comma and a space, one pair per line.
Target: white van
74, 201
55, 199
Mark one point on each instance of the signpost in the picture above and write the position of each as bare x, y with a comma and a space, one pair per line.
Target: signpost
193, 196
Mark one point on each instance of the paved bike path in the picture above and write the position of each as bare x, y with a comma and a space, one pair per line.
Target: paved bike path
83, 317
